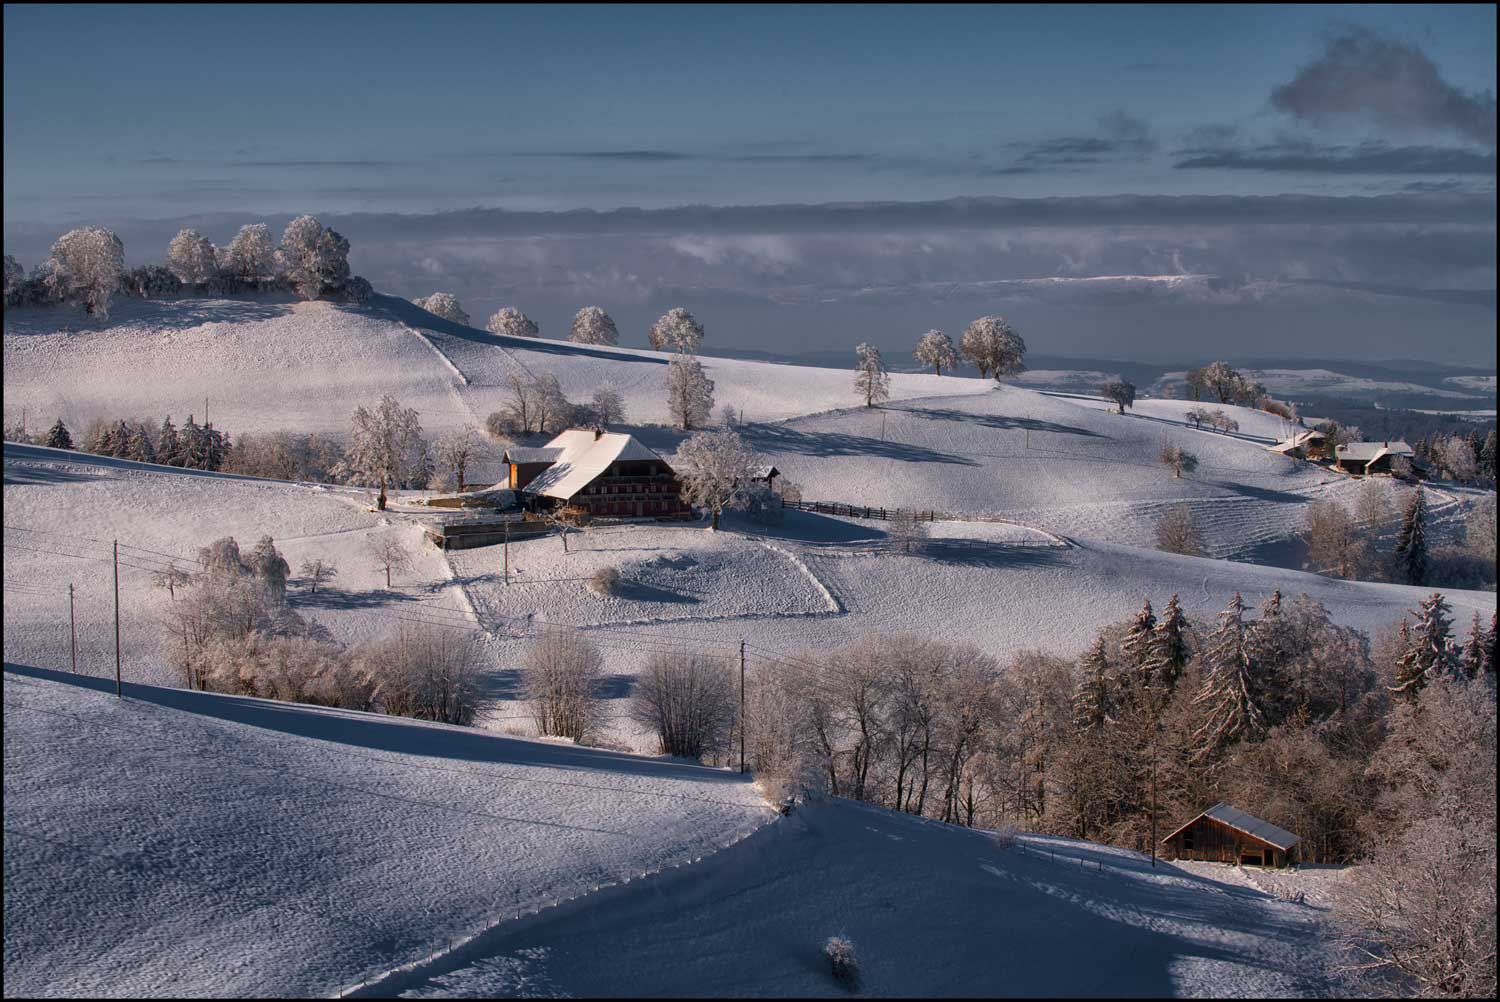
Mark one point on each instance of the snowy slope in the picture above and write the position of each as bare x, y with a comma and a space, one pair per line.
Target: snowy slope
186, 844
932, 911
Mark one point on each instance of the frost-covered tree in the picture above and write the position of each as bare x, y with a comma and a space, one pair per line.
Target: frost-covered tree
1455, 456
1411, 542
251, 255
1223, 380
386, 448
871, 380
1177, 532
676, 330
560, 677
138, 445
169, 444
608, 407
1093, 699
512, 322
936, 349
1479, 528
14, 276
58, 437
1478, 658
270, 568
690, 393
1336, 543
1135, 647
150, 281
688, 701
591, 325
1430, 653
85, 268
315, 259
1230, 698
1169, 651
444, 305
1121, 391
715, 468
192, 258
1196, 382
992, 346
904, 529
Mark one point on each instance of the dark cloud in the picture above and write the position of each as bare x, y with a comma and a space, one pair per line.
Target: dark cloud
1364, 73
1365, 158
1121, 136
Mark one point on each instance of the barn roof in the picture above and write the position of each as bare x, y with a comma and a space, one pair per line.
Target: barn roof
527, 454
1306, 436
582, 456
1368, 452
1247, 823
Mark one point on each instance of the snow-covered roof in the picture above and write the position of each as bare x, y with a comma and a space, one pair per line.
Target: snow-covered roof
582, 456
763, 472
529, 454
1247, 823
1368, 452
1304, 437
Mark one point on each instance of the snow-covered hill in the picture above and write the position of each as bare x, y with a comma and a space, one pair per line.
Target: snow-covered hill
932, 910
185, 844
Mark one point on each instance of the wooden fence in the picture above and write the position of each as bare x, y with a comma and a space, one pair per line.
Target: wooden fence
928, 515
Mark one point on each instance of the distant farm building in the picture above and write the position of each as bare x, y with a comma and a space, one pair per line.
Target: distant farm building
766, 475
1225, 834
1365, 458
598, 473
1308, 443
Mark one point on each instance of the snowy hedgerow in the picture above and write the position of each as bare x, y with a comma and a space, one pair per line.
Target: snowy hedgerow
715, 468
444, 305
192, 258
870, 378
1122, 392
560, 677
512, 322
251, 255
843, 964
1177, 532
315, 259
690, 393
677, 330
688, 700
428, 672
992, 346
151, 281
936, 349
85, 268
591, 325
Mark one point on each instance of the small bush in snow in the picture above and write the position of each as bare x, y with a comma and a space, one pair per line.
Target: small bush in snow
560, 677
512, 322
605, 581
1004, 836
151, 281
841, 960
688, 700
444, 305
1177, 532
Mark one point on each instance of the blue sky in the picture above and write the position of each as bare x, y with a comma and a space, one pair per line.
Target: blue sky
454, 146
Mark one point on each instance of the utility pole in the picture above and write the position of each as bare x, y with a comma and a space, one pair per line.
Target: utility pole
742, 707
72, 629
117, 618
1155, 729
506, 523
882, 426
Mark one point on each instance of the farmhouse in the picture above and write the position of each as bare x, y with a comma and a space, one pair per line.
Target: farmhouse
1371, 457
600, 473
1308, 443
1227, 835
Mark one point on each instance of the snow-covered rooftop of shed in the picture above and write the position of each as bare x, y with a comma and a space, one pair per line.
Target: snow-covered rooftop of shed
531, 454
582, 456
1247, 823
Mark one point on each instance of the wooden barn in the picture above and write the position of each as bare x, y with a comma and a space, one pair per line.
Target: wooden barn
1308, 443
1225, 834
1366, 458
604, 474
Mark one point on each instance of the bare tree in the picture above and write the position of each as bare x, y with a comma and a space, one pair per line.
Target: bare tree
386, 448
690, 393
1336, 544
456, 450
317, 571
560, 677
1121, 391
389, 552
428, 672
688, 700
609, 409
1178, 460
993, 347
171, 578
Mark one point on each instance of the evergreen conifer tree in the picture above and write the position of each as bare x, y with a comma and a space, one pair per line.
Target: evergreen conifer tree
1428, 649
58, 437
1093, 703
1411, 544
1229, 698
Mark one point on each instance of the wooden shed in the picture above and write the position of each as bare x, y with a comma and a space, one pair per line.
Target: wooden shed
1226, 834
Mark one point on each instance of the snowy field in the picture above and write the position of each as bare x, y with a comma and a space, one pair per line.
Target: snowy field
812, 581
187, 844
932, 910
